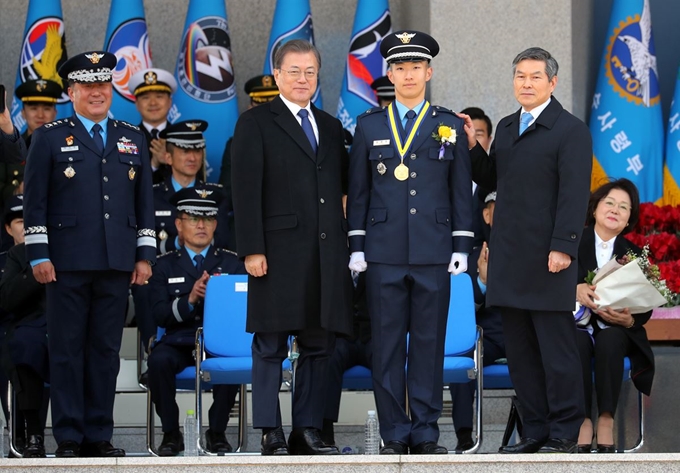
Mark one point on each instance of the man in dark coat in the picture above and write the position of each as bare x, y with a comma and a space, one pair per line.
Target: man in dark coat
288, 177
88, 212
541, 158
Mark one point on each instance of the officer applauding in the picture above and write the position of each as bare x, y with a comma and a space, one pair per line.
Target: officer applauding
178, 289
88, 212
410, 219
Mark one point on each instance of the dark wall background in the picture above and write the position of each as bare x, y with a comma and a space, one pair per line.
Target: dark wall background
666, 34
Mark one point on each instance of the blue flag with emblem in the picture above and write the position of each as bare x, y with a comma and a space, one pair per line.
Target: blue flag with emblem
43, 50
292, 20
364, 62
128, 39
671, 172
626, 121
205, 78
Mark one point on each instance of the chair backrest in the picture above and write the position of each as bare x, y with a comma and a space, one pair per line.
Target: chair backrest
461, 328
224, 316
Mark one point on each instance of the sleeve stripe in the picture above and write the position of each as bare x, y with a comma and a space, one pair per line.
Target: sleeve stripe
462, 233
356, 233
36, 239
175, 311
146, 241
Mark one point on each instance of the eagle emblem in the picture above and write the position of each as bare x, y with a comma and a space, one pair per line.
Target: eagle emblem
405, 38
94, 57
204, 193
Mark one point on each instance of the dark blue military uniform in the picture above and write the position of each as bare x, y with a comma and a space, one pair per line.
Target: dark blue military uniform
172, 281
91, 214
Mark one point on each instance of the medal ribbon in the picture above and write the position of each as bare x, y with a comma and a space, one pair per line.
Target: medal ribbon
395, 130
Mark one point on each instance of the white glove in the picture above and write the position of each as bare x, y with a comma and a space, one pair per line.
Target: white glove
458, 263
357, 262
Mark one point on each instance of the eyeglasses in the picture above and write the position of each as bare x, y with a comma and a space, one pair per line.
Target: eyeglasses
296, 73
623, 206
193, 221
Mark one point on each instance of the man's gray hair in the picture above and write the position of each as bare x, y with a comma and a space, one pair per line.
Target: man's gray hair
537, 54
295, 46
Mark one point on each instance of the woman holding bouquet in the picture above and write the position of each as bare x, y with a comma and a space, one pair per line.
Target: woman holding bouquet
609, 335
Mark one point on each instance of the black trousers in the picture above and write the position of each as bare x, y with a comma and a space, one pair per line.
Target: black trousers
545, 370
269, 351
165, 361
346, 355
612, 345
85, 318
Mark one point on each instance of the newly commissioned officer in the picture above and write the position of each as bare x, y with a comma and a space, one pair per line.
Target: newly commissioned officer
178, 289
88, 218
153, 89
185, 145
410, 218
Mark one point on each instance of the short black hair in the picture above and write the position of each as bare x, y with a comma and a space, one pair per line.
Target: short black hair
477, 113
603, 191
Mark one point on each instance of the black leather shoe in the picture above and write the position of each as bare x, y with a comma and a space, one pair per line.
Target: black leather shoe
463, 445
558, 446
606, 448
583, 448
428, 448
274, 443
102, 449
307, 441
526, 445
216, 442
172, 444
394, 447
68, 449
35, 448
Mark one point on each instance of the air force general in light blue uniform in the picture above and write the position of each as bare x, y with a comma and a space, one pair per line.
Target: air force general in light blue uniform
408, 226
90, 213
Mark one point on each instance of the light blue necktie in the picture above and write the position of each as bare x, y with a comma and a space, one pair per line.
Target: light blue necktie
524, 121
307, 128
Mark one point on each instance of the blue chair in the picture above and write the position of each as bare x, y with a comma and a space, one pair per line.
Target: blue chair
225, 339
462, 337
497, 376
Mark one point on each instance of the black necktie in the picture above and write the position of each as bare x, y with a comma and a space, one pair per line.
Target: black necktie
154, 134
307, 128
410, 120
97, 137
199, 264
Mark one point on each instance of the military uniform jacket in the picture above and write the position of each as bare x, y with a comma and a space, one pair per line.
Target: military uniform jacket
173, 279
12, 148
288, 206
423, 219
166, 232
163, 170
84, 210
543, 189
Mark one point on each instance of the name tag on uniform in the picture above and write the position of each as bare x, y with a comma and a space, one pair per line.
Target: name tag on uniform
175, 280
163, 213
66, 149
381, 142
241, 287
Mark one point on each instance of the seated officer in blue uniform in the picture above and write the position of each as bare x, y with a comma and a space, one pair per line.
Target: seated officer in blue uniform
489, 319
24, 349
178, 289
409, 210
88, 212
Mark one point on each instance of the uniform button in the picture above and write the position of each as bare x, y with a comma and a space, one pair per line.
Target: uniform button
162, 224
319, 168
323, 236
15, 183
106, 179
106, 216
322, 201
16, 173
106, 197
176, 291
413, 192
413, 155
413, 175
70, 160
104, 161
413, 211
573, 236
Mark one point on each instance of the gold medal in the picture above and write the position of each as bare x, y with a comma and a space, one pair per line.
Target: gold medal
381, 168
401, 172
69, 172
131, 173
163, 235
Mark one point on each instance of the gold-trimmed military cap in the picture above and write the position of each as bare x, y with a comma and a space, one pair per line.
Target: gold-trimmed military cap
383, 87
152, 80
408, 46
262, 89
39, 91
187, 134
93, 66
201, 201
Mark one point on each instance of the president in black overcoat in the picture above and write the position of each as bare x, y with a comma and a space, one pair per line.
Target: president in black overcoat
541, 159
288, 185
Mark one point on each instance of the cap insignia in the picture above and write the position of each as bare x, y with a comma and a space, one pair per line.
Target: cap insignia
203, 193
192, 125
40, 85
150, 78
94, 57
405, 37
267, 81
